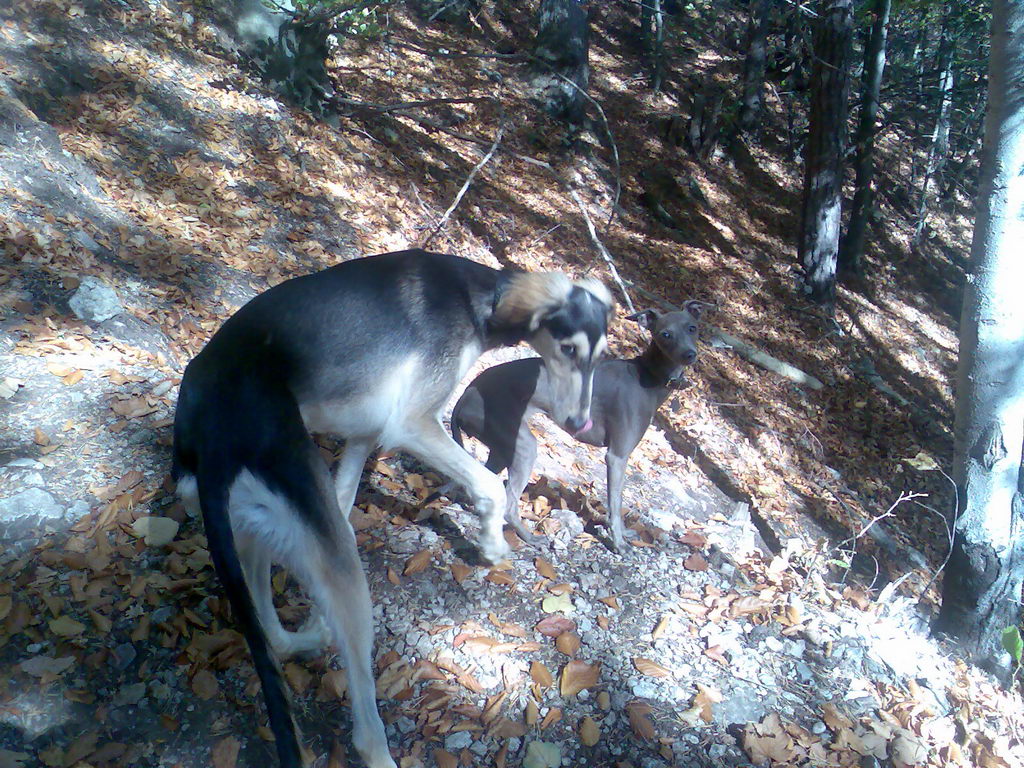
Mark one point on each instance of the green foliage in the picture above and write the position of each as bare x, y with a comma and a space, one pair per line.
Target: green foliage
352, 18
1014, 644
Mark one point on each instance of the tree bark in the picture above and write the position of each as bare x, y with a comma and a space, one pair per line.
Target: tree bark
939, 147
982, 587
563, 46
823, 154
851, 249
754, 64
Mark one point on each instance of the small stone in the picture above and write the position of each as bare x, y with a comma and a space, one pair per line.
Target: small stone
95, 300
456, 742
155, 531
130, 694
32, 502
159, 690
77, 510
124, 655
405, 725
23, 463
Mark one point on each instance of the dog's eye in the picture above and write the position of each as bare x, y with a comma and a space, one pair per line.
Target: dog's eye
666, 335
693, 329
569, 350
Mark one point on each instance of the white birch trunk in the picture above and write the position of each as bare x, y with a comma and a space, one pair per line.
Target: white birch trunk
982, 590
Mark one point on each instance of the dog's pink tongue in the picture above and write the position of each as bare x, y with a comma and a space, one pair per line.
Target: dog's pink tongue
585, 428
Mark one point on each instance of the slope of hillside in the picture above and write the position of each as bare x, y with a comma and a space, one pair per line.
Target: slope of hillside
134, 147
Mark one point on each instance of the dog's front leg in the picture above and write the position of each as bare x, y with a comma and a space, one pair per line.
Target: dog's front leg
427, 440
519, 469
616, 474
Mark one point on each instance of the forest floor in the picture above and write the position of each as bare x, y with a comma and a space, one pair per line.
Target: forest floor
135, 148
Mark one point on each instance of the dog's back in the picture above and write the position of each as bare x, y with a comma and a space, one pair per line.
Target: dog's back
497, 401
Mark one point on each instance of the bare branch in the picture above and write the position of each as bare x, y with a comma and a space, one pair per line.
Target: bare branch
611, 140
465, 186
457, 54
402, 105
602, 250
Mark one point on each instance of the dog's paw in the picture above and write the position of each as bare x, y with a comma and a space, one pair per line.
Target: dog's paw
313, 636
493, 552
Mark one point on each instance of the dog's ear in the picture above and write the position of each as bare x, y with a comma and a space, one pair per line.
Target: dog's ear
695, 308
645, 318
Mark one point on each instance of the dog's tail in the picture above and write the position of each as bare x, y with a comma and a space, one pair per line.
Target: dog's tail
213, 499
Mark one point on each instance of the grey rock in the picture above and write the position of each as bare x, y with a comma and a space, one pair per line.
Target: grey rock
32, 478
458, 741
130, 694
159, 690
23, 463
405, 725
95, 300
124, 655
32, 502
83, 239
77, 510
744, 704
572, 526
479, 748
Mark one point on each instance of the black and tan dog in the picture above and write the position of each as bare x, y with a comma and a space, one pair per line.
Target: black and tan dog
369, 350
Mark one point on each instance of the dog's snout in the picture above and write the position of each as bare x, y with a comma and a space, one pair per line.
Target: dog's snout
577, 424
689, 355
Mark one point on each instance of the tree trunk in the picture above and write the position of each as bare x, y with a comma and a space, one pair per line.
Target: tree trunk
940, 137
652, 35
982, 589
754, 64
851, 249
823, 154
563, 47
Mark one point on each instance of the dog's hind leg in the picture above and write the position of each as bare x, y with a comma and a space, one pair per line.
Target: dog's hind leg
349, 469
519, 469
305, 532
256, 561
427, 440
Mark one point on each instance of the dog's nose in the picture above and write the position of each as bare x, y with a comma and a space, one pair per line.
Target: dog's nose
689, 355
575, 425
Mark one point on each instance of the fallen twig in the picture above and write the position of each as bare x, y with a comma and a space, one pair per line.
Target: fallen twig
370, 106
457, 54
611, 140
465, 186
602, 250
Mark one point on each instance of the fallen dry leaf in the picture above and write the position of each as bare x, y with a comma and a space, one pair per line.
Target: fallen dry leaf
553, 626
694, 539
225, 752
578, 676
612, 601
66, 626
545, 569
568, 643
590, 734
418, 562
460, 571
639, 721
695, 562
650, 668
204, 684
540, 674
